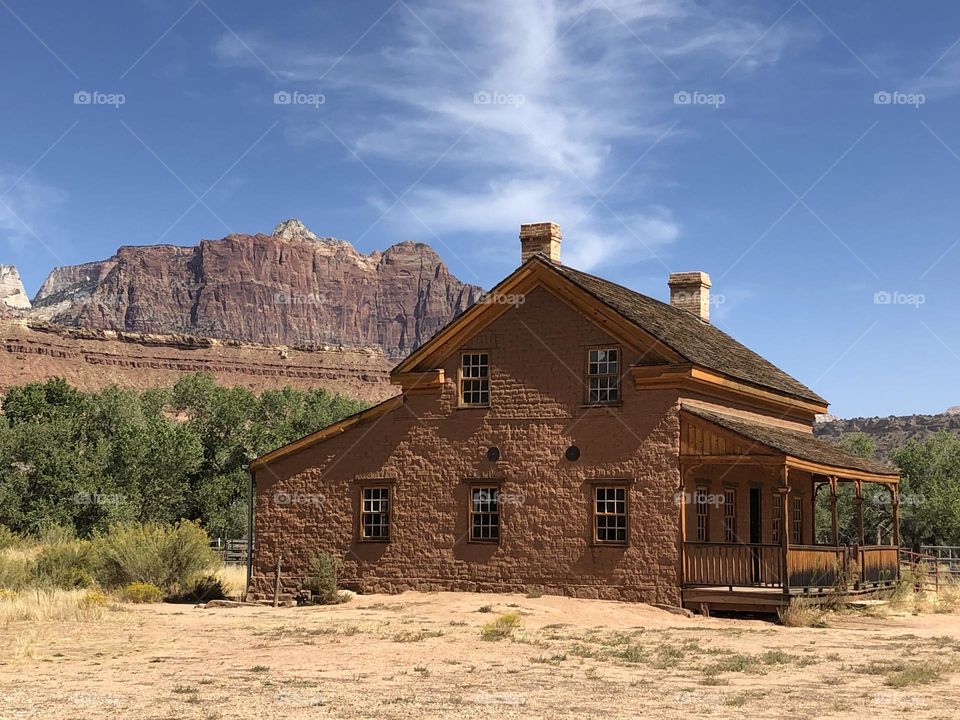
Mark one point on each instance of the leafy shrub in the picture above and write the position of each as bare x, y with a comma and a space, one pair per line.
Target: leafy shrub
138, 592
500, 628
15, 572
202, 589
66, 565
321, 578
53, 534
94, 598
10, 539
171, 557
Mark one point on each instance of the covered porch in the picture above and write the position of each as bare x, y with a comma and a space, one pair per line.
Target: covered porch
768, 513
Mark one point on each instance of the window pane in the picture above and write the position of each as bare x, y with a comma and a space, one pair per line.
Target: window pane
485, 513
375, 513
475, 382
603, 375
610, 514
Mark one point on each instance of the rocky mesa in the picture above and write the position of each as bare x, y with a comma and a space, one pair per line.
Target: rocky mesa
258, 311
289, 288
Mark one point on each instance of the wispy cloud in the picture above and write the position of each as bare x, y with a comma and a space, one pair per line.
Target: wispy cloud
537, 107
26, 208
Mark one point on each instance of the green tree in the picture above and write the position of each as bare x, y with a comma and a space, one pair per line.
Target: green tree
877, 502
89, 460
930, 490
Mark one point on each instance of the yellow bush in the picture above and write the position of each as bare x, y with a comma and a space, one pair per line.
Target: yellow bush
138, 592
500, 628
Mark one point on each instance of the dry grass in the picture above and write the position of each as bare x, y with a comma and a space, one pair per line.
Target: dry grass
948, 598
51, 606
802, 612
234, 579
424, 655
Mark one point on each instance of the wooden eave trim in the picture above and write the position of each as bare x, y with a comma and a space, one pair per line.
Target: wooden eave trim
695, 378
758, 459
796, 463
330, 431
536, 273
710, 376
419, 382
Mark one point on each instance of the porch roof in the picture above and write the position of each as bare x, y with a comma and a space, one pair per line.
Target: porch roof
796, 444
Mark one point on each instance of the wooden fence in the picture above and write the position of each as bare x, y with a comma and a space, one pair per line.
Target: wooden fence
232, 552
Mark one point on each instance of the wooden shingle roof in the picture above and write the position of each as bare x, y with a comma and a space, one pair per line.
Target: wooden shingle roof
699, 342
794, 443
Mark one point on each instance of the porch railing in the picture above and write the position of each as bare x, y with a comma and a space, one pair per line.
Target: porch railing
808, 566
816, 566
748, 565
879, 564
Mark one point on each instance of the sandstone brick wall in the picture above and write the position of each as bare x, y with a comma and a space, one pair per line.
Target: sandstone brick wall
429, 448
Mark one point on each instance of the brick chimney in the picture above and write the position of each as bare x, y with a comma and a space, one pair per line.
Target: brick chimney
690, 291
540, 239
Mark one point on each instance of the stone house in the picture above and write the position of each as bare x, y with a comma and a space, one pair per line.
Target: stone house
573, 435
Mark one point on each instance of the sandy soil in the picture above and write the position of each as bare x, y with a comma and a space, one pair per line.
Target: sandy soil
421, 655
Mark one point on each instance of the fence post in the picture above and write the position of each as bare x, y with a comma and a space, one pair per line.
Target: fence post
276, 584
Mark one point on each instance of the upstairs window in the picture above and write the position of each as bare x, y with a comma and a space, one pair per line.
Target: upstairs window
375, 513
610, 515
484, 514
603, 376
475, 379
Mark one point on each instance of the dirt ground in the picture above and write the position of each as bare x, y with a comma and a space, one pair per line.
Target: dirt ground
423, 655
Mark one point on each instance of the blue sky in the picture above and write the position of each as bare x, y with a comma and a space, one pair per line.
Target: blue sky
744, 139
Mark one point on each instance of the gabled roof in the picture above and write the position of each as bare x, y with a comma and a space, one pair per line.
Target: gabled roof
699, 342
358, 418
693, 340
794, 443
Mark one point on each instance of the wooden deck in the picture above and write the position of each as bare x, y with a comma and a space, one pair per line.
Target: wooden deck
754, 577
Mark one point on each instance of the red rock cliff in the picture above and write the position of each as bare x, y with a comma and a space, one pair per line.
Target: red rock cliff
288, 288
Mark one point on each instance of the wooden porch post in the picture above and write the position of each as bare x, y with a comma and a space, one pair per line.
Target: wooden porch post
895, 502
858, 486
833, 511
784, 491
686, 474
682, 535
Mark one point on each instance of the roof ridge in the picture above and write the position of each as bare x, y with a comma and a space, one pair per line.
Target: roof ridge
692, 342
